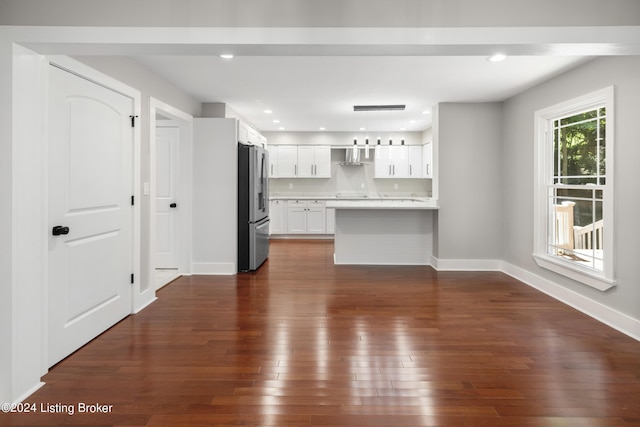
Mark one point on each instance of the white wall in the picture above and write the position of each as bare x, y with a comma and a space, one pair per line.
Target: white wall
517, 187
215, 183
6, 217
469, 224
23, 246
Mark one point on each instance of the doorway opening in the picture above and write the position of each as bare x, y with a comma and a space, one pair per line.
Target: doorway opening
169, 192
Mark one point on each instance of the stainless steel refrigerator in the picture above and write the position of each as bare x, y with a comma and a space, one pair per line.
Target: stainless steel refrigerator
253, 207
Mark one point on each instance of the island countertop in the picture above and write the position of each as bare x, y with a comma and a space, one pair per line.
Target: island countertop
384, 203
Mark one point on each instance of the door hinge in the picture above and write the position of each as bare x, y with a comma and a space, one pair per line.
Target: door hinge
133, 121
133, 200
132, 279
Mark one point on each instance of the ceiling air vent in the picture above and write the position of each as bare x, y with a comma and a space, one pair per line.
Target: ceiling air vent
378, 107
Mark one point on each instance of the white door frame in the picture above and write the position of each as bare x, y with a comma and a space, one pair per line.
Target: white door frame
185, 149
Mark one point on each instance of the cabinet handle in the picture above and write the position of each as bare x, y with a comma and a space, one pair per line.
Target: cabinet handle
427, 169
389, 170
394, 170
410, 171
271, 169
295, 169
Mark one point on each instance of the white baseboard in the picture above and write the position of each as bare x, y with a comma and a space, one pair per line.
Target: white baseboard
466, 264
145, 305
619, 321
214, 268
28, 393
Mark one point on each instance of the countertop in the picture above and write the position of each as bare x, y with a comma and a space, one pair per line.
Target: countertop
384, 203
351, 201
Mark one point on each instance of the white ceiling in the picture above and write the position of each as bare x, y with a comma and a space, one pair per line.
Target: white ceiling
309, 92
310, 62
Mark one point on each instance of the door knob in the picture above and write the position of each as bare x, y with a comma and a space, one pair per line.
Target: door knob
58, 230
173, 205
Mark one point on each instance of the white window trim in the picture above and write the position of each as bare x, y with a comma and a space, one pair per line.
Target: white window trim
543, 169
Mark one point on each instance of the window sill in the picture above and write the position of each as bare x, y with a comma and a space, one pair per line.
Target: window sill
578, 274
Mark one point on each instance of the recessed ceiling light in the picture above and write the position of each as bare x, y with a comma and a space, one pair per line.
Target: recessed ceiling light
412, 121
497, 57
426, 112
403, 128
362, 128
268, 111
276, 121
322, 128
227, 56
281, 128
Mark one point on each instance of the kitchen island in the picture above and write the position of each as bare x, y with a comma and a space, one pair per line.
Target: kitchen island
384, 231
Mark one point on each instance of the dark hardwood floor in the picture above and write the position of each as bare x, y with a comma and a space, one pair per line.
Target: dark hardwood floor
305, 343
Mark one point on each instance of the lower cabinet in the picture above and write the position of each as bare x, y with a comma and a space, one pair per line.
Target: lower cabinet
300, 217
306, 217
331, 221
277, 216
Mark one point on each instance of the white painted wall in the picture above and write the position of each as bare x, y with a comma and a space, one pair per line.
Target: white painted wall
6, 217
215, 183
469, 224
517, 187
30, 220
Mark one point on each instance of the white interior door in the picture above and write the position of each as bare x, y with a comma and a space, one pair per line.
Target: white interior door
90, 190
167, 208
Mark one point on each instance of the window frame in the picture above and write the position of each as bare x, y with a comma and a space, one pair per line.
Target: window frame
543, 177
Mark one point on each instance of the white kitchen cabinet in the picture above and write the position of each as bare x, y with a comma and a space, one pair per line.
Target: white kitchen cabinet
415, 159
261, 140
316, 217
286, 164
427, 160
243, 132
296, 217
331, 220
250, 136
306, 217
277, 216
392, 161
314, 161
273, 161
292, 161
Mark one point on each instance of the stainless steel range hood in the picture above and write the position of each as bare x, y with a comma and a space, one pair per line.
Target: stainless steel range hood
352, 156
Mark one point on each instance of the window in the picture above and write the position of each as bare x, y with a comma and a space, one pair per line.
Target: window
573, 228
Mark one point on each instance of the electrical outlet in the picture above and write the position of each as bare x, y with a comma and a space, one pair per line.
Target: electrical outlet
395, 186
290, 185
362, 186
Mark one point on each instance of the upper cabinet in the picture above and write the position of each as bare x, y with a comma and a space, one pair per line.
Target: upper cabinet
416, 158
314, 161
392, 161
427, 160
248, 135
403, 161
284, 161
300, 161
